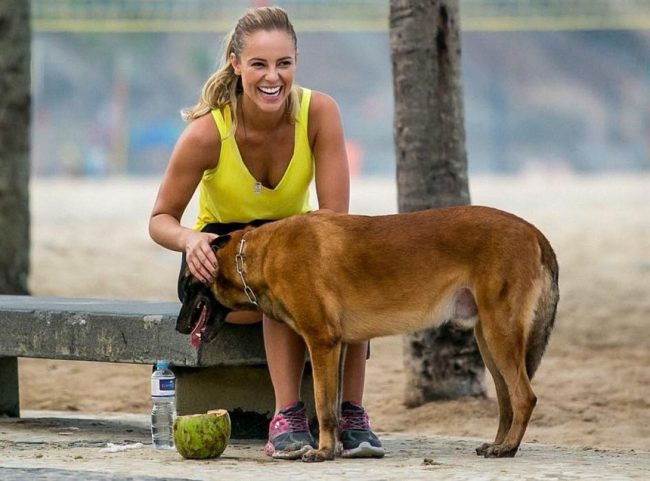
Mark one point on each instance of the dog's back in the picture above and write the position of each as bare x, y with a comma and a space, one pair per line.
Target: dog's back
405, 272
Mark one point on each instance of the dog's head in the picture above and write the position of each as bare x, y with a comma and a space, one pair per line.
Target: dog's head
201, 315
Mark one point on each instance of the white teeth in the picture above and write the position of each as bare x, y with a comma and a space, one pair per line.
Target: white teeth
270, 90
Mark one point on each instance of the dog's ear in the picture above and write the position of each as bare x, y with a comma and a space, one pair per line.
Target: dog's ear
220, 241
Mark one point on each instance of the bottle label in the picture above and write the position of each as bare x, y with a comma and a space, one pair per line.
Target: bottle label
163, 386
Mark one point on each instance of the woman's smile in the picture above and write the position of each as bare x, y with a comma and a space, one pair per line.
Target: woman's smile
270, 91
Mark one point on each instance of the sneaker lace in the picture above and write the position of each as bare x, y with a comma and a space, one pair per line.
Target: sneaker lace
296, 421
356, 421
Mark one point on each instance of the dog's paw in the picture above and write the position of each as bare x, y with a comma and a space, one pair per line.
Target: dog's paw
483, 449
499, 451
318, 455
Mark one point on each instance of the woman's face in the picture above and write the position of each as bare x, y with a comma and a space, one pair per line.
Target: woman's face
267, 66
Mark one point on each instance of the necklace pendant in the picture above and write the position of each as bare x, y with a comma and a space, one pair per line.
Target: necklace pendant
257, 188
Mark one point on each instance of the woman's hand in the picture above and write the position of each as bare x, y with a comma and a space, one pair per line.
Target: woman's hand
200, 256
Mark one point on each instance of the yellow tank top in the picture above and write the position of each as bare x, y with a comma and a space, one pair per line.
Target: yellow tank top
230, 193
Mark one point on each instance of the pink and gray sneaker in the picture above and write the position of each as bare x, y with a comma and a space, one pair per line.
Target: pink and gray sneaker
289, 435
356, 440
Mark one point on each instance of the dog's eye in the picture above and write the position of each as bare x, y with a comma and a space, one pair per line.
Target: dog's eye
193, 288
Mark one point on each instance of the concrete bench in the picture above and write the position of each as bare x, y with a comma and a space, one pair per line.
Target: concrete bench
228, 373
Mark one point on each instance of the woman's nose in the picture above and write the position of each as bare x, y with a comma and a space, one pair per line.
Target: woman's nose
272, 74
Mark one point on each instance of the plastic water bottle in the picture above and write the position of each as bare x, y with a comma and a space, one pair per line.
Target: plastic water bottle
163, 411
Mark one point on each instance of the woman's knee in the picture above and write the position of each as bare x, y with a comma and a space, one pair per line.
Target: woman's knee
244, 317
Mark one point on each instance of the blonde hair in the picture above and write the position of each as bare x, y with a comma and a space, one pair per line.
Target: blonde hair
224, 86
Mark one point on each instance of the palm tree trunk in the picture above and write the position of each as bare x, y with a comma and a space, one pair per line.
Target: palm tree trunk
431, 172
15, 38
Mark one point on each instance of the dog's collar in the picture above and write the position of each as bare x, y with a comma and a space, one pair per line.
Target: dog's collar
239, 262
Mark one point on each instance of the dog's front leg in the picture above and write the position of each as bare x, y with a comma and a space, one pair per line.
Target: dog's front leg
325, 366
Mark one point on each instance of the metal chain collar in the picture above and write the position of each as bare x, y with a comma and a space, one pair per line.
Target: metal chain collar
239, 262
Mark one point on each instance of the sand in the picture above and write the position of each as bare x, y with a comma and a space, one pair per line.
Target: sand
89, 239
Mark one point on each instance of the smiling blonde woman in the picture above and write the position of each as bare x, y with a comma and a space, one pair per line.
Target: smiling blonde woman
253, 144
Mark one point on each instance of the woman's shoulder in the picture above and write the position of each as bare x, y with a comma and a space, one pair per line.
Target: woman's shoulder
320, 100
322, 108
202, 131
324, 118
200, 139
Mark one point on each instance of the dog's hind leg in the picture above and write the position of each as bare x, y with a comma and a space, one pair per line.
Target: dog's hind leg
503, 332
325, 368
505, 408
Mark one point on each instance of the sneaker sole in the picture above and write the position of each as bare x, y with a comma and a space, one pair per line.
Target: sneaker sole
364, 450
290, 455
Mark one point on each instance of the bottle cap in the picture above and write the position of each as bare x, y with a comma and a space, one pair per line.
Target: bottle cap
160, 364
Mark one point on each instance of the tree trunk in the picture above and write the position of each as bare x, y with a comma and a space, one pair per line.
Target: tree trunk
15, 39
429, 135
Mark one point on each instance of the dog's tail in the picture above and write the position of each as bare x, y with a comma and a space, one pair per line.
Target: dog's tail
544, 317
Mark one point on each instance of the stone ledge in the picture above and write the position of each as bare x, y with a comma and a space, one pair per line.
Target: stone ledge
137, 332
229, 373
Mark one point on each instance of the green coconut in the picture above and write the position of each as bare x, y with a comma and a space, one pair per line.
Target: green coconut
202, 436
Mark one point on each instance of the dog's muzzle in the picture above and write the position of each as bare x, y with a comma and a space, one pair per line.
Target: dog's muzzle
201, 315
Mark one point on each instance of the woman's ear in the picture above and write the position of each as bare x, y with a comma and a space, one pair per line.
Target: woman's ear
235, 63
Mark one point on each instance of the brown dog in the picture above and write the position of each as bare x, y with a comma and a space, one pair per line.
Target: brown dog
338, 279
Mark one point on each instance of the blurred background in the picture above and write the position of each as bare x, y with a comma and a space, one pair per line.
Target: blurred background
556, 85
557, 115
